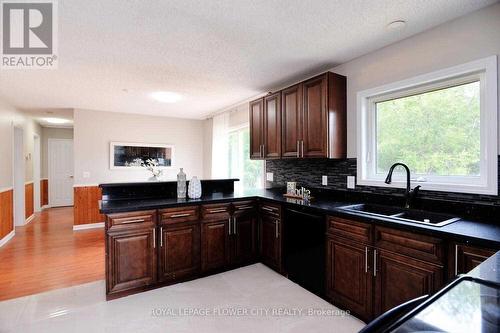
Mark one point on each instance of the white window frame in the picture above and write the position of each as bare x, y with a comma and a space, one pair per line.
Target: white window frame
484, 70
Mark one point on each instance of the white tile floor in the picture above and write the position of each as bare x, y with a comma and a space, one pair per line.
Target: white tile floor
251, 290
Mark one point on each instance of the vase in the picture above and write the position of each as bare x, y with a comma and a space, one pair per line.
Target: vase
194, 188
181, 185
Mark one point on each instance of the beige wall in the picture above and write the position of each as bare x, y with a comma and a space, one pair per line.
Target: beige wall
468, 38
10, 117
51, 133
94, 130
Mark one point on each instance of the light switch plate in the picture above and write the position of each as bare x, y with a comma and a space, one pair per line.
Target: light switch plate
269, 176
86, 174
351, 181
324, 180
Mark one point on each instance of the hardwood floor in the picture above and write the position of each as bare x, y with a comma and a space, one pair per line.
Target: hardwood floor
46, 254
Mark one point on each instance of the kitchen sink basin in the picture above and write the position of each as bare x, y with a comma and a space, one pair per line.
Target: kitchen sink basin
402, 214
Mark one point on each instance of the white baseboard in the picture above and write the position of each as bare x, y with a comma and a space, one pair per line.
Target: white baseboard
88, 226
29, 219
7, 238
45, 207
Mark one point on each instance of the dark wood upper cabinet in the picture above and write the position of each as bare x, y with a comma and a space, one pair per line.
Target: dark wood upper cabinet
272, 126
179, 255
132, 263
257, 129
313, 120
291, 119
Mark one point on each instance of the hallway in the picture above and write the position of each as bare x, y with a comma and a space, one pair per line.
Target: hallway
47, 254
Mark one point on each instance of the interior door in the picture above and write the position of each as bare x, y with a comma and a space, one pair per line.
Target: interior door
60, 172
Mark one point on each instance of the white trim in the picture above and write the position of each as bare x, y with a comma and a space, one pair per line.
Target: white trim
30, 182
85, 185
45, 207
7, 238
486, 71
112, 144
5, 189
29, 219
88, 226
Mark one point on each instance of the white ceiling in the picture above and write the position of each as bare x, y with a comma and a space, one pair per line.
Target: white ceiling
215, 53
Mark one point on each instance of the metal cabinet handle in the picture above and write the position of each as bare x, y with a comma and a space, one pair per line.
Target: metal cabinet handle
456, 259
217, 210
154, 238
244, 207
229, 232
263, 150
302, 144
366, 259
298, 148
161, 236
268, 209
180, 215
374, 262
276, 223
133, 221
234, 225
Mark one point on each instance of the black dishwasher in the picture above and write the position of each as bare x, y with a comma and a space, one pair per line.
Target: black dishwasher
304, 248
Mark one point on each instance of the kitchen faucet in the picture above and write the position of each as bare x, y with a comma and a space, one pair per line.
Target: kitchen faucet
410, 194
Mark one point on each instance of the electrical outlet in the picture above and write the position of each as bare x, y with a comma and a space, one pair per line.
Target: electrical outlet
269, 176
86, 174
351, 181
324, 180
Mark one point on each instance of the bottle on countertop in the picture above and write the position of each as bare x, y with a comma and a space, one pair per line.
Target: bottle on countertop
181, 185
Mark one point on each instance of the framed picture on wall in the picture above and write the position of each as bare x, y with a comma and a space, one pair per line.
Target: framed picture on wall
127, 155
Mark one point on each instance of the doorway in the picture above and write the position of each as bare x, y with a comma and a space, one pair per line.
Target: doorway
60, 163
18, 167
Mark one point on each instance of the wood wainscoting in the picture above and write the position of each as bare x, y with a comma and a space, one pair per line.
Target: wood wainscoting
87, 205
6, 212
44, 192
28, 200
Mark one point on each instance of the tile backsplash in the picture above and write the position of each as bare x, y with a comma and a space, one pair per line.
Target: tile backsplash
308, 172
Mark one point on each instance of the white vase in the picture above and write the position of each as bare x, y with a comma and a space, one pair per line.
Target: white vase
194, 188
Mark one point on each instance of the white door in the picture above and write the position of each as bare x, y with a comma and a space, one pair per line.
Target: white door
60, 172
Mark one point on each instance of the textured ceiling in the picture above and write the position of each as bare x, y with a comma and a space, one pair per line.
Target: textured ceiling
215, 53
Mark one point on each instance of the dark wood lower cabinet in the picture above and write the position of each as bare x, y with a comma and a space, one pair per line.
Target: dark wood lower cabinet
244, 238
349, 281
179, 254
465, 258
214, 244
400, 278
270, 241
132, 259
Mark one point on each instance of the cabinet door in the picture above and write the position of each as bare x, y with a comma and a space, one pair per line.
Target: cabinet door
214, 244
315, 141
132, 259
467, 258
245, 238
179, 251
400, 278
256, 129
270, 241
291, 121
349, 281
272, 126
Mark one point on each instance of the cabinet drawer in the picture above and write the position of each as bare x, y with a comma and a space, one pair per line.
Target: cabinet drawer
418, 246
179, 214
215, 211
270, 209
244, 206
142, 219
352, 230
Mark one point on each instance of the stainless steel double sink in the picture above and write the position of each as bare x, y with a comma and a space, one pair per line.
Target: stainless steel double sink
402, 214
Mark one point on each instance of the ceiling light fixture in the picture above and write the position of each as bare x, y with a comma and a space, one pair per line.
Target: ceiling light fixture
56, 121
166, 96
396, 25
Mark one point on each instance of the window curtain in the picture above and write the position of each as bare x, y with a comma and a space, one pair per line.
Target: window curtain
220, 146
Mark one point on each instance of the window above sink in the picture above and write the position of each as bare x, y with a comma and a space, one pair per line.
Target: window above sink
443, 125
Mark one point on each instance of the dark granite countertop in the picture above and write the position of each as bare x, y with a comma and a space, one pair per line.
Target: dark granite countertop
485, 233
